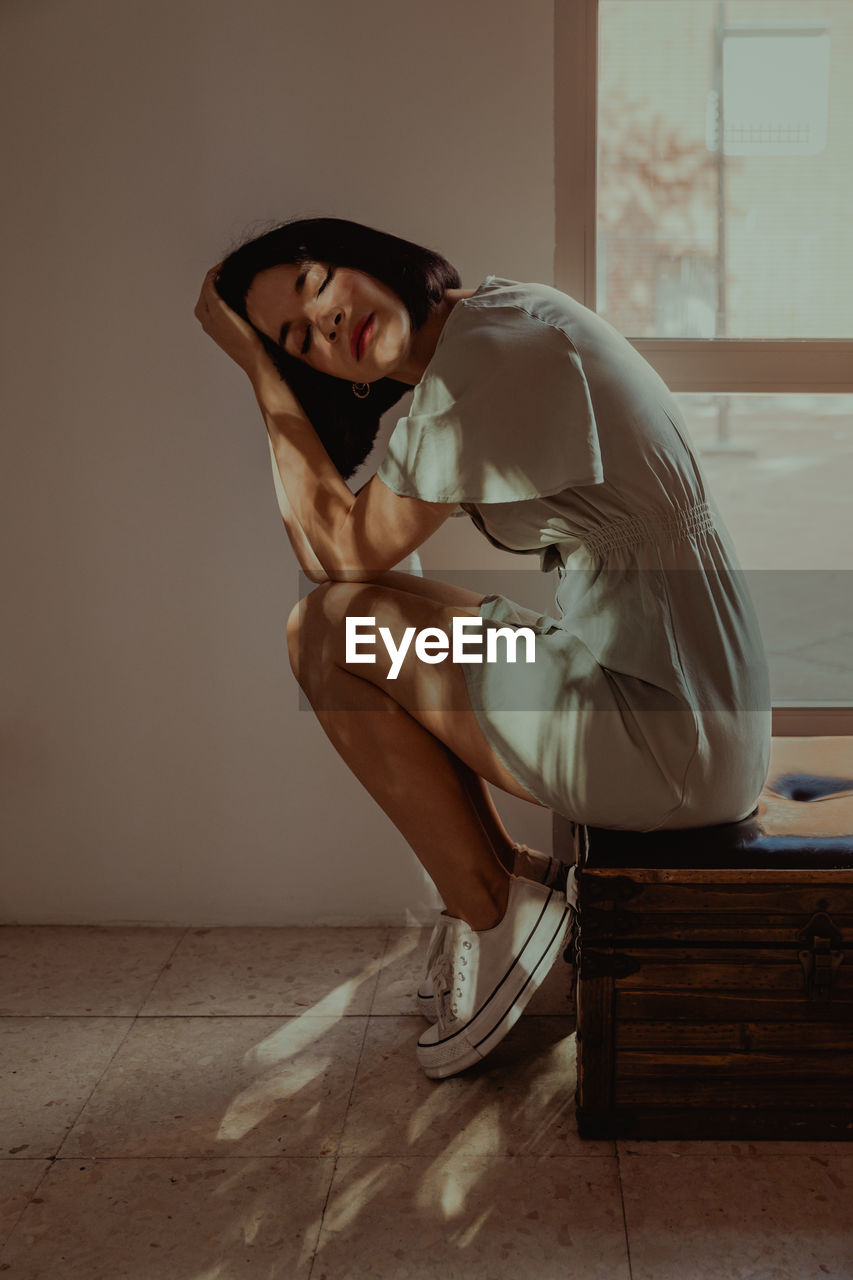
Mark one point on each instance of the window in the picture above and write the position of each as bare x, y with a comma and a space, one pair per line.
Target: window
704, 176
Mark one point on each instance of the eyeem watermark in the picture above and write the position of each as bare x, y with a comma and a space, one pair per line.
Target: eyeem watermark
433, 645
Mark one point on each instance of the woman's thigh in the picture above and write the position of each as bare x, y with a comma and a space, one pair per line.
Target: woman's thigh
433, 588
434, 694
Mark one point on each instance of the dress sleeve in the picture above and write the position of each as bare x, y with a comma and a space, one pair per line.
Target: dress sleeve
502, 414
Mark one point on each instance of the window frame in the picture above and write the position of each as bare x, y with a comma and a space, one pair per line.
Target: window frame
729, 365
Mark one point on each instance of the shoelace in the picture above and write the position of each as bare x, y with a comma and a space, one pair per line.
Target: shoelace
436, 943
442, 982
448, 984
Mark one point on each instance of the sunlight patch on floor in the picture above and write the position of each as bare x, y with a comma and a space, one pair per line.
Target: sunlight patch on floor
452, 1175
251, 1107
343, 1210
295, 1036
469, 1235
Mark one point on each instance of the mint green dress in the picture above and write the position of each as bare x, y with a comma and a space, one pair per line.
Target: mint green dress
648, 702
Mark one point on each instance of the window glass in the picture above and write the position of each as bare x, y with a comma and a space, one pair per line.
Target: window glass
781, 471
725, 131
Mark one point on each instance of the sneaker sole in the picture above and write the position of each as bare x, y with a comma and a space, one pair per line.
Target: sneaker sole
502, 1009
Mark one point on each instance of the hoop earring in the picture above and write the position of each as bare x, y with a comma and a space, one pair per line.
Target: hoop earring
361, 389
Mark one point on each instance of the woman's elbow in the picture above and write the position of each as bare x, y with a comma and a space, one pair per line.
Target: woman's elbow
354, 575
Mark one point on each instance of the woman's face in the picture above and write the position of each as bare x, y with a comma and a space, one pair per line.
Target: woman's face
339, 321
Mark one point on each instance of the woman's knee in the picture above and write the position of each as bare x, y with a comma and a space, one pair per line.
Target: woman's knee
312, 624
292, 632
301, 631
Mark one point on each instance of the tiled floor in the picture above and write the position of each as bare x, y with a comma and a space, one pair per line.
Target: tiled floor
214, 1104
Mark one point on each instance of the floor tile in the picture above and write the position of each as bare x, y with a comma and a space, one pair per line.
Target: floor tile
405, 959
230, 1086
49, 1067
460, 1217
326, 971
756, 1219
18, 1181
171, 1220
77, 969
405, 963
519, 1100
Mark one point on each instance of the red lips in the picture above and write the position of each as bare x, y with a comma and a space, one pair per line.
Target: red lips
358, 334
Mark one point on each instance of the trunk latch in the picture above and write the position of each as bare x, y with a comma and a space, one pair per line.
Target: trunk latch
822, 955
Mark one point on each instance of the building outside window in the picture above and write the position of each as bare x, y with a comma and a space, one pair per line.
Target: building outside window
703, 209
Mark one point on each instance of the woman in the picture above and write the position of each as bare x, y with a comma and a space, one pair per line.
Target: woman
647, 704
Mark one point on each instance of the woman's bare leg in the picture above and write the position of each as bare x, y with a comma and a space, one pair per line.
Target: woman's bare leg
406, 744
479, 794
415, 780
496, 833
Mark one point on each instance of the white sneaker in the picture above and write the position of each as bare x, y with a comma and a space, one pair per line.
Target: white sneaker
530, 865
484, 978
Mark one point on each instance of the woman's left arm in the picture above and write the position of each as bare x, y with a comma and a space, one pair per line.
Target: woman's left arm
352, 537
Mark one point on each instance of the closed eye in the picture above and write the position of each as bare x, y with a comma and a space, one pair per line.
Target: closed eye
306, 344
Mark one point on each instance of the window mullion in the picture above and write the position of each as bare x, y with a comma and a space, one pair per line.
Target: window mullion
575, 140
743, 366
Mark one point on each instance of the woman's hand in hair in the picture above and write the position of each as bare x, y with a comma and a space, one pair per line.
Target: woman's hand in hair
240, 341
229, 331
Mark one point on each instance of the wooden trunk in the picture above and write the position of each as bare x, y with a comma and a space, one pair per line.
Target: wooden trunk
715, 969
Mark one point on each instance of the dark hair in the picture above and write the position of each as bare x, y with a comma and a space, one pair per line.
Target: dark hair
346, 425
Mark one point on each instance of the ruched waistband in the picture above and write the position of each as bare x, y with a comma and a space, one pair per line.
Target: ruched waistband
680, 523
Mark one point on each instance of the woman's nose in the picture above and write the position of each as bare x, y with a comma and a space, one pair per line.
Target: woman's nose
330, 324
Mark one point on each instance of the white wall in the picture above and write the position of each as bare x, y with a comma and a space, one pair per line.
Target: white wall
155, 764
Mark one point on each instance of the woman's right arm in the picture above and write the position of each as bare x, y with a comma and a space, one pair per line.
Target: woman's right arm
309, 563
335, 534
